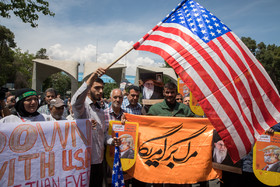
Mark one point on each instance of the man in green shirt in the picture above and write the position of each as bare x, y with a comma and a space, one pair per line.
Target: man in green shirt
169, 107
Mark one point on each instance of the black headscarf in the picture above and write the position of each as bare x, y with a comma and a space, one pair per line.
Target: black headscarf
21, 95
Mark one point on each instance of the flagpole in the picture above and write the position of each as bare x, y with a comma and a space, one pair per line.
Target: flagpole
119, 58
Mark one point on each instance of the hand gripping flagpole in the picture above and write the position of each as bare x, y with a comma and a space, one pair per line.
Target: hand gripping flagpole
119, 58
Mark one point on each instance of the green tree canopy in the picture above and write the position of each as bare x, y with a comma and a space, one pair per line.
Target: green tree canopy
23, 68
7, 43
108, 87
60, 81
42, 54
26, 10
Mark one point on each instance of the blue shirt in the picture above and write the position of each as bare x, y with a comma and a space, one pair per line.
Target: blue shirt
126, 106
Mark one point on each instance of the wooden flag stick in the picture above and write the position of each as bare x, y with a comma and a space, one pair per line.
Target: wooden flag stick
119, 58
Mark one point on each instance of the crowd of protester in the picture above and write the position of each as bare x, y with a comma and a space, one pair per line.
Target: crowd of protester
88, 103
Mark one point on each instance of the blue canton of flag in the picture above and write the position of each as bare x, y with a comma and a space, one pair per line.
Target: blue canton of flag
198, 20
117, 175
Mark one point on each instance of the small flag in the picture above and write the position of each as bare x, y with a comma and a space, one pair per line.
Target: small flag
117, 175
232, 87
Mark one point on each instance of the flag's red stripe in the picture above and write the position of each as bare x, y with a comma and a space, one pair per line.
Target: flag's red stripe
136, 45
254, 89
260, 77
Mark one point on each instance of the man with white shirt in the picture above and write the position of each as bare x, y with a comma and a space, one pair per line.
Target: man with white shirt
85, 106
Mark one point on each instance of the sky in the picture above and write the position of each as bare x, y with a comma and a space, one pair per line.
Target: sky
102, 30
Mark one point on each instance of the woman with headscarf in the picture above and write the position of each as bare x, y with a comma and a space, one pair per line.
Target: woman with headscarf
26, 107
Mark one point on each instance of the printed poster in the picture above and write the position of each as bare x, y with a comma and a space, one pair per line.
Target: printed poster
128, 149
220, 156
266, 159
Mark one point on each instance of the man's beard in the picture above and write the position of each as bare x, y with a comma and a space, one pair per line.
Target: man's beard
220, 155
148, 92
116, 105
95, 97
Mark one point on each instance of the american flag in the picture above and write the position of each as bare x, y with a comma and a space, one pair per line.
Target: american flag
234, 90
117, 174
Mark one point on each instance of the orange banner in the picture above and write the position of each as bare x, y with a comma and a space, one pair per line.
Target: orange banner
173, 150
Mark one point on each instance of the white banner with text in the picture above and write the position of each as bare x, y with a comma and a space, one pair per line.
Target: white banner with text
56, 153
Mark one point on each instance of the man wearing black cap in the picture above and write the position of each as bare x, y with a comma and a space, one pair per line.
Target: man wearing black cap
26, 107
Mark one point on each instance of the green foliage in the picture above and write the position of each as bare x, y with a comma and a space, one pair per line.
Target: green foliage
59, 81
250, 43
269, 56
7, 43
26, 10
108, 87
23, 67
42, 54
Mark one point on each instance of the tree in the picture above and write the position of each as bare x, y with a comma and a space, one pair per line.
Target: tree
250, 43
59, 81
269, 56
23, 66
26, 10
108, 87
42, 54
7, 43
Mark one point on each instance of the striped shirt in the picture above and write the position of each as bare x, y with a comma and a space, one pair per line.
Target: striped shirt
126, 106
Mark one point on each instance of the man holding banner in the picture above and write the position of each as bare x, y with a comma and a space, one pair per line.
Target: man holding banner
85, 106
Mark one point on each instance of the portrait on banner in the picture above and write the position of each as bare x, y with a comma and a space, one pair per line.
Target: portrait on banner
128, 134
151, 85
220, 156
266, 159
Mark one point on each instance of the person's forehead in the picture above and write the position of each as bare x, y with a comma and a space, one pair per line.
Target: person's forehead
149, 81
10, 97
268, 150
132, 91
116, 93
50, 93
97, 84
170, 90
61, 107
31, 97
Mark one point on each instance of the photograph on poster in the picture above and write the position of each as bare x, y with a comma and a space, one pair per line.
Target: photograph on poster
220, 156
